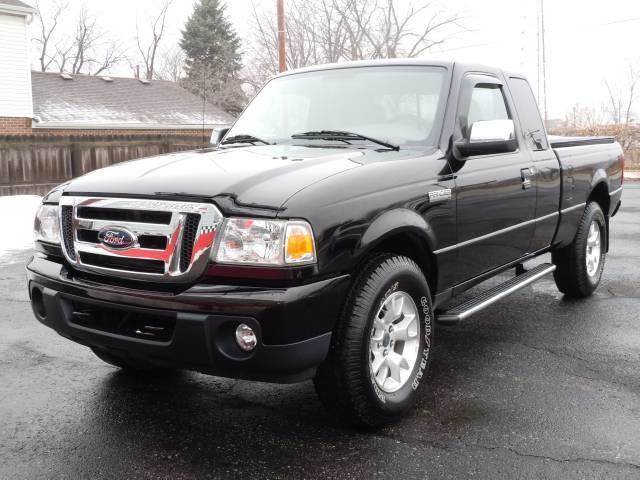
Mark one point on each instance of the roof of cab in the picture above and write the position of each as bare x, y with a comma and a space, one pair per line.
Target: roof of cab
372, 63
427, 62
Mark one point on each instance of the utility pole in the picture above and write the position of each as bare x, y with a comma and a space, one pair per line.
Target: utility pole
282, 58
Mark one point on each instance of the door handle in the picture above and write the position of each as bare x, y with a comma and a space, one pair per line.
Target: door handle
526, 174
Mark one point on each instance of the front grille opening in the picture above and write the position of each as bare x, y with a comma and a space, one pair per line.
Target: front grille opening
67, 231
157, 328
87, 236
122, 215
123, 263
151, 242
188, 240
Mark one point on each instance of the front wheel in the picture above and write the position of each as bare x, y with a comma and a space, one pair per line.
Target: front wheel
579, 265
381, 346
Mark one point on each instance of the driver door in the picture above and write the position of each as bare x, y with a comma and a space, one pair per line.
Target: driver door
496, 193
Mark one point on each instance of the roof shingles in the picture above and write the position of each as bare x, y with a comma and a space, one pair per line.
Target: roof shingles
91, 100
15, 3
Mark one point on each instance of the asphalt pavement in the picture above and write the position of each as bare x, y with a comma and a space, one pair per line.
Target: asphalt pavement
533, 387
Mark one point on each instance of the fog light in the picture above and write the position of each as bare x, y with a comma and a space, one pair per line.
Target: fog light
246, 337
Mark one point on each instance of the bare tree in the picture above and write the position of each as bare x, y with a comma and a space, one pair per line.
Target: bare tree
63, 56
149, 49
327, 31
622, 98
111, 56
86, 35
589, 121
85, 50
171, 65
582, 117
48, 26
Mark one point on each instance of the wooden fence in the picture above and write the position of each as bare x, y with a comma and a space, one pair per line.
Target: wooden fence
32, 165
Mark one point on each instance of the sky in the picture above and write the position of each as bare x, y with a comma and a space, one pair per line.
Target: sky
586, 42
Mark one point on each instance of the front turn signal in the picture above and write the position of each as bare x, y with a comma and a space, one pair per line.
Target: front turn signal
299, 244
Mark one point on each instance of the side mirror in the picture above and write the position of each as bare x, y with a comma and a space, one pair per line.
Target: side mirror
217, 135
489, 137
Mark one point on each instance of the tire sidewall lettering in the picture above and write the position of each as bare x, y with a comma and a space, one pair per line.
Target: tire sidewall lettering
427, 330
426, 327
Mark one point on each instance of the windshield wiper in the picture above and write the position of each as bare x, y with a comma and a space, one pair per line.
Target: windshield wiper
244, 139
342, 135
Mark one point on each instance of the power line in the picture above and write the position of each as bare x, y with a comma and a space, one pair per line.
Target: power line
614, 22
474, 45
548, 30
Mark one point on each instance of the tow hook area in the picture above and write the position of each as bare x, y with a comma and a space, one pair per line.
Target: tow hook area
150, 331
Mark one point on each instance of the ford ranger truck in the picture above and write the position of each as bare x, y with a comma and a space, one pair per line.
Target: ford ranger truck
328, 232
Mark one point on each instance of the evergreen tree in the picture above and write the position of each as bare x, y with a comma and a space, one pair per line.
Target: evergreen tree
213, 59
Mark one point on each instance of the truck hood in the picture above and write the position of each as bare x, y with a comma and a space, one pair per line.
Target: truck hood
256, 177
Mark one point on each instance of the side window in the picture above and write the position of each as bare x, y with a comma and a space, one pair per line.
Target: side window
529, 114
487, 103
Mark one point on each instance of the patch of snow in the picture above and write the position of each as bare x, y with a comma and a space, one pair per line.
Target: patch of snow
16, 217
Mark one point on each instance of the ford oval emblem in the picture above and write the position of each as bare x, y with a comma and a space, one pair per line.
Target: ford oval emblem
117, 238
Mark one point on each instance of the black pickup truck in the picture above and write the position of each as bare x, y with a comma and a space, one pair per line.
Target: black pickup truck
327, 232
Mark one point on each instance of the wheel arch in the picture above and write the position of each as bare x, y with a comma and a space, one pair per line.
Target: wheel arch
600, 195
402, 232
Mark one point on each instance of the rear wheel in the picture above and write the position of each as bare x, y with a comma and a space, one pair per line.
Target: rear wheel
580, 264
381, 347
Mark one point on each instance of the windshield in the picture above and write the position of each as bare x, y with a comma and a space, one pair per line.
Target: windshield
396, 104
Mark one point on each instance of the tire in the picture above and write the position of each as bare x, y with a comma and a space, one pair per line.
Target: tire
123, 363
345, 381
578, 267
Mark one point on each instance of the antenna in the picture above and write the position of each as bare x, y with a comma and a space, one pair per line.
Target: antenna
538, 50
204, 99
544, 62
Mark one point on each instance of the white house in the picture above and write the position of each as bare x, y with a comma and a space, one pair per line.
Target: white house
16, 103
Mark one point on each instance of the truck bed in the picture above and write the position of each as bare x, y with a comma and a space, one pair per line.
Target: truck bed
584, 163
562, 142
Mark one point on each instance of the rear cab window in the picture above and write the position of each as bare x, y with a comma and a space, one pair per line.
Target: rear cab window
529, 114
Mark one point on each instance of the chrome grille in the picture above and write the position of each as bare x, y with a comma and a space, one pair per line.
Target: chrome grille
172, 240
66, 221
188, 240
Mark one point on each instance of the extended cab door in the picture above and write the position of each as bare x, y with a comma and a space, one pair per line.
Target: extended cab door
545, 163
496, 192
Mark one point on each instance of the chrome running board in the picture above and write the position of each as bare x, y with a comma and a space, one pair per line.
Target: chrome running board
482, 301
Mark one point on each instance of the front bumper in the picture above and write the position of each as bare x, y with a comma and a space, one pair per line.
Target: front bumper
293, 324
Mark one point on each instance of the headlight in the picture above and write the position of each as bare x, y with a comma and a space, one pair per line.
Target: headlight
47, 224
266, 242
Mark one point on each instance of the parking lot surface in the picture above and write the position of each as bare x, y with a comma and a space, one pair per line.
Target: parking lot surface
533, 387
